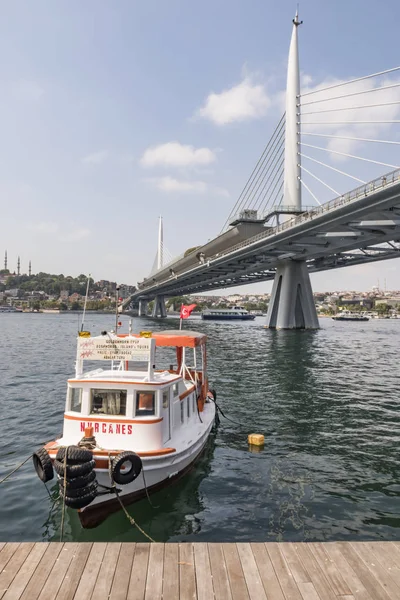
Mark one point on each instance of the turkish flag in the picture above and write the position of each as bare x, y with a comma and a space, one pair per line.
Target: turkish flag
186, 310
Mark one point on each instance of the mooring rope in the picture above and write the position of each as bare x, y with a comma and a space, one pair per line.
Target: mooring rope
16, 469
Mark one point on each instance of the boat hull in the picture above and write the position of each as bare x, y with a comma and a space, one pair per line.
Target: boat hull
350, 318
157, 473
228, 317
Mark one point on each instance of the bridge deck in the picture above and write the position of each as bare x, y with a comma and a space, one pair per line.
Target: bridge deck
243, 571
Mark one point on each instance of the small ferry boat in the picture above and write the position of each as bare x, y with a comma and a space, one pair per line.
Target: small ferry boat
227, 314
10, 309
348, 315
129, 428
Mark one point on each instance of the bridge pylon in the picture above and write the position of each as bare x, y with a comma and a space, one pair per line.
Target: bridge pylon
159, 309
292, 304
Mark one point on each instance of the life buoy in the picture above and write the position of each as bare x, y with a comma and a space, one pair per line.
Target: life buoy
43, 467
132, 464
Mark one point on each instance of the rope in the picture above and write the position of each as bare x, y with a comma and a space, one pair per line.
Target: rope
128, 516
16, 469
65, 487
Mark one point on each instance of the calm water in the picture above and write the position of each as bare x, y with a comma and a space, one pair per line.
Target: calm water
327, 402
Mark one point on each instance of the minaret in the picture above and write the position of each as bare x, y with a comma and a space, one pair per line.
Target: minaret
292, 186
18, 266
30, 269
5, 261
160, 260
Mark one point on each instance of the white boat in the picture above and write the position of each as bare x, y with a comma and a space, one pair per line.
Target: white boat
237, 313
348, 315
137, 428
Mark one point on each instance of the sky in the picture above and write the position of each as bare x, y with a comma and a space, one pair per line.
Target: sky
113, 113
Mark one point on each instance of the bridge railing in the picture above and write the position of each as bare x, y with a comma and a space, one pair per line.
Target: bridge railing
362, 191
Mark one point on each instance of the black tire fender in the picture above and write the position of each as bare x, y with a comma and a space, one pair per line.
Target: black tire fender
74, 470
75, 456
79, 502
134, 467
80, 492
78, 482
42, 463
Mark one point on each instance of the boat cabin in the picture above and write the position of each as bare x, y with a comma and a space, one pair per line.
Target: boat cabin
149, 388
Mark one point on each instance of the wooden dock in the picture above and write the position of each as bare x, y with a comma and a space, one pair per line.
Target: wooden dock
242, 571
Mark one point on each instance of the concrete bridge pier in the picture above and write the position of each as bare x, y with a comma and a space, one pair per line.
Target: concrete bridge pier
142, 312
292, 303
159, 309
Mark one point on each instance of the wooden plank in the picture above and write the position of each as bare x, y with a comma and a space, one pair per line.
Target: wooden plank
13, 566
58, 572
317, 577
252, 576
349, 575
106, 574
294, 563
155, 572
379, 572
137, 583
219, 572
42, 571
268, 576
7, 552
171, 572
75, 570
119, 589
337, 583
283, 573
308, 591
187, 580
204, 585
20, 582
385, 555
374, 588
90, 573
2, 544
236, 578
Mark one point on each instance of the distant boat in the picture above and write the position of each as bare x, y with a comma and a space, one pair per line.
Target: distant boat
237, 313
10, 309
348, 315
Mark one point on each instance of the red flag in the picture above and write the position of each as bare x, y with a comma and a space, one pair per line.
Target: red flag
186, 310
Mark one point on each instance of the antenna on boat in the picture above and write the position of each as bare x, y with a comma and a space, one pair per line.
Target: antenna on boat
116, 309
84, 306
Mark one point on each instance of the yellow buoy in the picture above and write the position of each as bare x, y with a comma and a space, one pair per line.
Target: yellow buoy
256, 439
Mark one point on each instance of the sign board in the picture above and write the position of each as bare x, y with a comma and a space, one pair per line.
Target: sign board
112, 348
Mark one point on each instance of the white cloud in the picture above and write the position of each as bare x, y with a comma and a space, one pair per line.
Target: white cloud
75, 235
170, 184
245, 101
174, 154
96, 158
43, 227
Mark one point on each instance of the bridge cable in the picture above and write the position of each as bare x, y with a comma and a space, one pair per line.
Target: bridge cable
350, 155
278, 173
271, 173
356, 139
320, 180
268, 168
265, 168
318, 112
310, 192
349, 122
330, 87
333, 168
377, 89
255, 171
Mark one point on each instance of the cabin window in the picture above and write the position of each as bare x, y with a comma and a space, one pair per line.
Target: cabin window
188, 408
176, 389
182, 413
165, 399
108, 402
145, 403
75, 399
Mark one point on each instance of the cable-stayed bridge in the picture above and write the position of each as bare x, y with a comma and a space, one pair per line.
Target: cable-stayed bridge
270, 234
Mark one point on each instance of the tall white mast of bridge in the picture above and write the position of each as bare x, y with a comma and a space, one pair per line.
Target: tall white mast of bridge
292, 186
160, 251
292, 303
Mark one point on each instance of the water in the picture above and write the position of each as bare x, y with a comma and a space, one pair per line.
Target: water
327, 402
